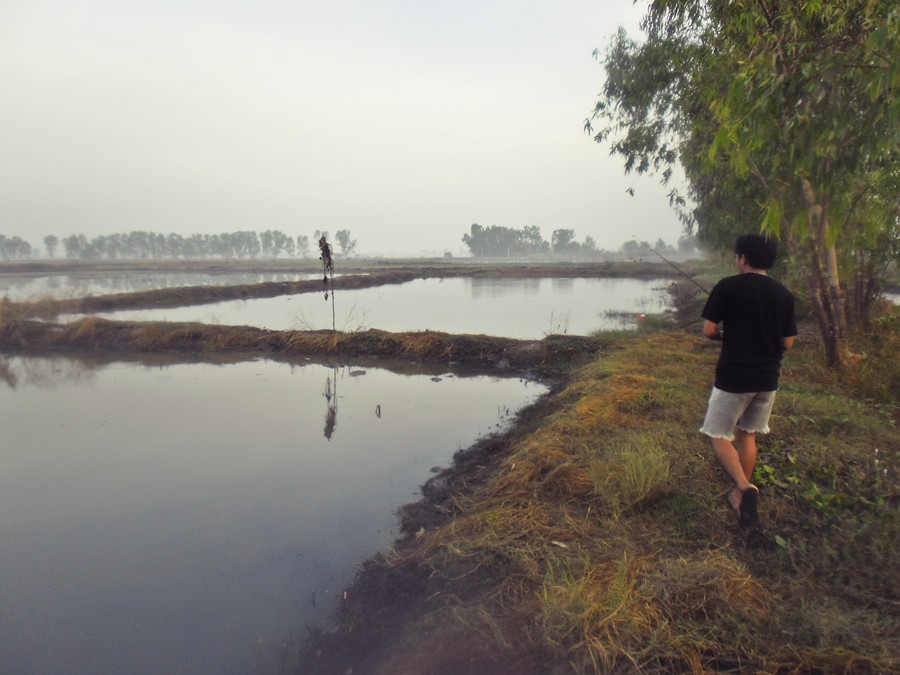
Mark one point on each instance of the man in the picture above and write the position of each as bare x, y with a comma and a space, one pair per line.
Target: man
758, 326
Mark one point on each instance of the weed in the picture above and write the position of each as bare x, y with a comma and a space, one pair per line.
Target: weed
558, 324
633, 474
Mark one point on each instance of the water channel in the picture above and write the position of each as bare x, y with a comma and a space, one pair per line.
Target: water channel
516, 308
184, 518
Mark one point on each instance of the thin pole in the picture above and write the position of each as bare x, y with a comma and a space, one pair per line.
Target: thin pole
677, 269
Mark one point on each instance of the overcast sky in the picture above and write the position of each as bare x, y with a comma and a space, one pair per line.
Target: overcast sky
403, 121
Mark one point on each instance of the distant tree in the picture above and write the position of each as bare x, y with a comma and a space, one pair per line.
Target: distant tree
74, 244
688, 244
345, 242
563, 241
533, 240
175, 245
635, 249
14, 248
266, 243
290, 246
51, 242
281, 243
504, 241
196, 246
589, 244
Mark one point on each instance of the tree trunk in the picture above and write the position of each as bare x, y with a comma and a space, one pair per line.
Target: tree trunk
825, 290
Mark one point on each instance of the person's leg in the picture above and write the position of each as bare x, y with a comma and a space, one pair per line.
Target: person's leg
722, 415
745, 443
730, 460
755, 419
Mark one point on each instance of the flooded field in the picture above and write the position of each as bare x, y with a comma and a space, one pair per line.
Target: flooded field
186, 517
22, 287
517, 308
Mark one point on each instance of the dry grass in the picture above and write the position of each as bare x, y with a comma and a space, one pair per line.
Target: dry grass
602, 543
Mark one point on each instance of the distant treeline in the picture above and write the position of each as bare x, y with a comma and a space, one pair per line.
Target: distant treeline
496, 241
142, 245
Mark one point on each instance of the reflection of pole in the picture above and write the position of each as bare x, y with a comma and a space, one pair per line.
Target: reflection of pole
331, 406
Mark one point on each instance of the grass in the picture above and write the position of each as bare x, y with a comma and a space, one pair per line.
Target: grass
603, 543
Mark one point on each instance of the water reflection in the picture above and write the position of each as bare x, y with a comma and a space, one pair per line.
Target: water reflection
183, 517
525, 309
21, 287
44, 373
481, 288
331, 405
563, 285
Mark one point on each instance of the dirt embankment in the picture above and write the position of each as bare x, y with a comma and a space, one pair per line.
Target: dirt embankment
549, 357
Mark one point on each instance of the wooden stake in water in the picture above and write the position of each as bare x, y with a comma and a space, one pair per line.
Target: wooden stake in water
328, 268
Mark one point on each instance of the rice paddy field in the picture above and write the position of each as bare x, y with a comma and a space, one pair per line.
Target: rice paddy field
592, 535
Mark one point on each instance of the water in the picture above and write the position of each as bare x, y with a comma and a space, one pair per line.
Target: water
23, 287
516, 308
184, 518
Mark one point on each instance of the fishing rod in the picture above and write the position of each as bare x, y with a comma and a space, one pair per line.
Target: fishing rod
678, 269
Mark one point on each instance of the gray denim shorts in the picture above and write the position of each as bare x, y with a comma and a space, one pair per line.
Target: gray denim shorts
748, 412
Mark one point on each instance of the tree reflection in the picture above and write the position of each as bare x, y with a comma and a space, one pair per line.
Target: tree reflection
331, 404
45, 372
7, 374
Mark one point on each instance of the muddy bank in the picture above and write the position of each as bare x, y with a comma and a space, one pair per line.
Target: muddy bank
548, 357
375, 611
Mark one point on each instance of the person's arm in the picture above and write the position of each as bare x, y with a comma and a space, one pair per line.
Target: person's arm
788, 342
711, 330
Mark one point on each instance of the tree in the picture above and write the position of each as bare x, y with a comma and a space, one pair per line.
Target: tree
789, 111
563, 241
345, 242
74, 245
533, 240
51, 242
635, 250
504, 241
687, 245
267, 243
14, 247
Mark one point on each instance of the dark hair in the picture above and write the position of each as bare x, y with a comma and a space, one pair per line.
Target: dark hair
760, 250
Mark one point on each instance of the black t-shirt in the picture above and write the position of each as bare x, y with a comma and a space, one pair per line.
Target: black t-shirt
756, 313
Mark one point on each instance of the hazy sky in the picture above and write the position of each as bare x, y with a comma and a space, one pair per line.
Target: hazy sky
402, 121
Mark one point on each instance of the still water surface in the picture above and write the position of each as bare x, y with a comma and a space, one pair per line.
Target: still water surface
184, 519
516, 308
23, 287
